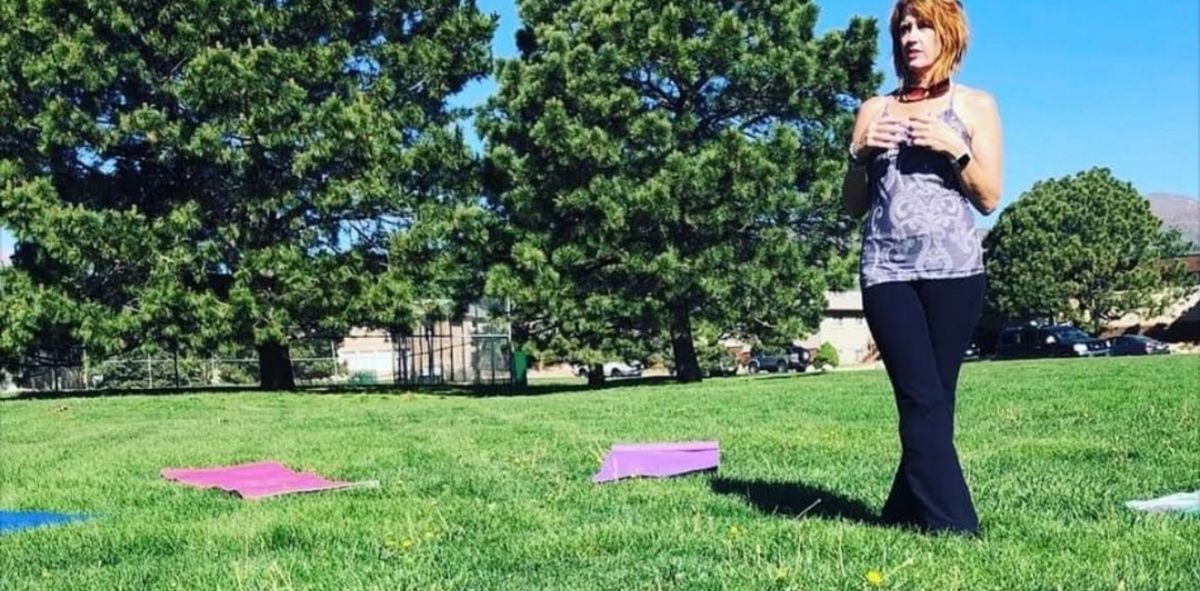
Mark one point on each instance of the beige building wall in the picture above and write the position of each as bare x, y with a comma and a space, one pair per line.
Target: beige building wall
845, 327
368, 351
1180, 321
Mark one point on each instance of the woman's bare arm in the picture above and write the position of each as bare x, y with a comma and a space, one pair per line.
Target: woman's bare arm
983, 177
872, 132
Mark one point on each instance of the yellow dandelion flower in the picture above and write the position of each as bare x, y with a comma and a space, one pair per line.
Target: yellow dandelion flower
874, 578
407, 543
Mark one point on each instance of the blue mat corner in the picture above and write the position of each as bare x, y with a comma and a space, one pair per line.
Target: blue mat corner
13, 521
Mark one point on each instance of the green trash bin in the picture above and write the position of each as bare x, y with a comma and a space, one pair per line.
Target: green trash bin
520, 368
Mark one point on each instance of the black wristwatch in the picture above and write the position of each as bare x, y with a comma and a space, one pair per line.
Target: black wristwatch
853, 158
962, 161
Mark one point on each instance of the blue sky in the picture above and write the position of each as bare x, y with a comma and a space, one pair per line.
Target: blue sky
1080, 83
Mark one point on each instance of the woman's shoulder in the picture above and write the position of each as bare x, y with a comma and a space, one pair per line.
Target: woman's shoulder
975, 99
873, 105
879, 99
975, 108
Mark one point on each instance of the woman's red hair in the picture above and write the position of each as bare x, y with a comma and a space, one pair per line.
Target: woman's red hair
948, 20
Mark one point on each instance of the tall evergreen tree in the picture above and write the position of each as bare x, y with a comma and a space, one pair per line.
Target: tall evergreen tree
663, 165
250, 170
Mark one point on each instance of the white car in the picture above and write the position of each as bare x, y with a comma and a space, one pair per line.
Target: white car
614, 369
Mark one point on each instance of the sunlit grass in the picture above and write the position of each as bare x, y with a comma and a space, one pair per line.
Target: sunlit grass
494, 492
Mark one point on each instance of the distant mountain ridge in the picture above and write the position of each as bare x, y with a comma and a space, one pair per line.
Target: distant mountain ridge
1179, 212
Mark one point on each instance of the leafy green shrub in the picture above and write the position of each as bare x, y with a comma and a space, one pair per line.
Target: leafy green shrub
827, 355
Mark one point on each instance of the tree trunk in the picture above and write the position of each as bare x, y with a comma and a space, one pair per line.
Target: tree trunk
275, 367
596, 376
687, 367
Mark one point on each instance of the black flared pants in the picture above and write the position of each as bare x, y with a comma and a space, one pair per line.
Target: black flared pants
922, 329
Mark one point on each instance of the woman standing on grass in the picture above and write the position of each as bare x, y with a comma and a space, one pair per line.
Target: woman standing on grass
920, 158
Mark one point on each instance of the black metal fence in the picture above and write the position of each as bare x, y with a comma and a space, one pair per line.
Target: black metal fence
436, 354
452, 357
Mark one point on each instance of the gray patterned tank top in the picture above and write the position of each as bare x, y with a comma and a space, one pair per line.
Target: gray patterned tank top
920, 224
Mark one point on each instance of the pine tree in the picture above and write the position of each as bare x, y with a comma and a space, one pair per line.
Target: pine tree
248, 171
665, 165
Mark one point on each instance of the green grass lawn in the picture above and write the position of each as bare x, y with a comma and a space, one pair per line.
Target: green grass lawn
494, 492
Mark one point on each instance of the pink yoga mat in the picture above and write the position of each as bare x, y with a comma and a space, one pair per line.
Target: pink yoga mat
658, 460
254, 481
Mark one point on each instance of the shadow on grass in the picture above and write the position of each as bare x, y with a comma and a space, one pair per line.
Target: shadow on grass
770, 376
59, 395
794, 499
579, 386
488, 390
466, 391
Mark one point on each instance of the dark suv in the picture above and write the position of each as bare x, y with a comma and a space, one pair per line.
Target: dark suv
1034, 339
793, 357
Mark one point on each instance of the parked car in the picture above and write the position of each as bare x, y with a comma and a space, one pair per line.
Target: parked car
1138, 345
715, 366
1035, 339
614, 369
724, 366
791, 358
